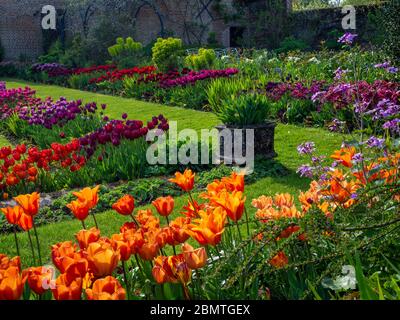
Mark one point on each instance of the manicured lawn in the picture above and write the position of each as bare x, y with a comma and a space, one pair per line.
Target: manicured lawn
288, 137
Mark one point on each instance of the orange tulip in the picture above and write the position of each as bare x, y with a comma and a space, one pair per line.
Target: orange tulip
60, 250
284, 200
164, 205
128, 226
185, 181
11, 285
125, 205
209, 229
86, 237
280, 260
195, 259
66, 288
262, 203
232, 203
6, 262
340, 190
345, 156
88, 195
30, 203
291, 230
234, 183
158, 272
171, 269
106, 289
25, 222
119, 244
147, 220
310, 197
213, 189
165, 237
74, 266
178, 229
135, 240
103, 259
13, 214
192, 209
150, 248
39, 279
80, 209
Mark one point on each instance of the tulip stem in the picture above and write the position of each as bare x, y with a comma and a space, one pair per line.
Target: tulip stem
186, 291
247, 221
83, 225
16, 242
238, 228
30, 242
37, 243
126, 280
173, 247
134, 220
95, 221
140, 267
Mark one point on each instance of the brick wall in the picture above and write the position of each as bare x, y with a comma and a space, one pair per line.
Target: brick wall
22, 36
20, 27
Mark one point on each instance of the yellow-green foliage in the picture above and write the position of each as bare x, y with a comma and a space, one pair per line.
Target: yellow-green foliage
167, 53
128, 46
203, 60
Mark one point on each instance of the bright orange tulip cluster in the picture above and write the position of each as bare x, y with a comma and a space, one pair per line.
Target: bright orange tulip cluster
22, 215
85, 268
280, 207
11, 284
87, 199
96, 260
225, 199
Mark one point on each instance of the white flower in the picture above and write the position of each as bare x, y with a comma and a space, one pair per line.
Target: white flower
273, 60
314, 60
293, 59
246, 60
225, 58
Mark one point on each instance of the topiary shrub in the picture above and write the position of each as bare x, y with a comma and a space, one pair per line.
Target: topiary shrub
167, 54
205, 59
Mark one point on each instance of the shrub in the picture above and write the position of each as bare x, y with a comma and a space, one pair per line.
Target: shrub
54, 53
126, 53
80, 81
247, 109
205, 59
167, 53
291, 44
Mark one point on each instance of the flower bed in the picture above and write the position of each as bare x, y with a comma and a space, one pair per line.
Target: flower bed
69, 138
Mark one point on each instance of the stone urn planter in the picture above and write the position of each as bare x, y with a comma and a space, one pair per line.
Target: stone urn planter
263, 143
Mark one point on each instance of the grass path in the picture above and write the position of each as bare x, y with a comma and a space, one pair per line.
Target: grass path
288, 137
